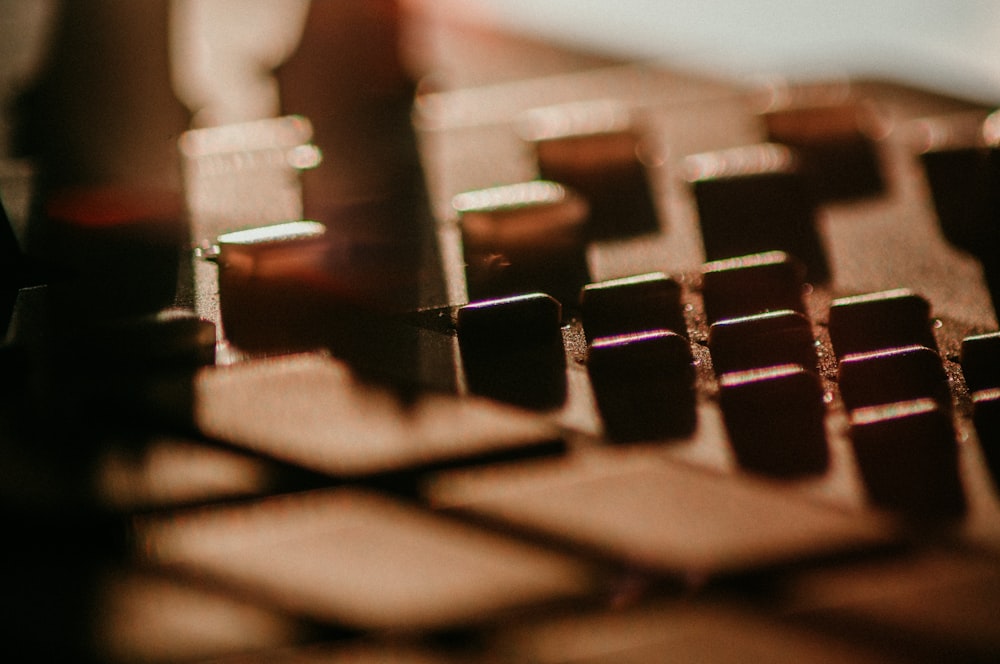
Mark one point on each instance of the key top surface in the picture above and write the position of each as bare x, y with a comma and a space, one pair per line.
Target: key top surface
632, 304
753, 199
598, 149
752, 284
359, 559
641, 509
875, 321
761, 340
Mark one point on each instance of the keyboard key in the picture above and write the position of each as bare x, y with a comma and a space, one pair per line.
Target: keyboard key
510, 321
632, 505
597, 149
632, 304
981, 361
312, 411
908, 458
895, 374
644, 384
762, 340
753, 199
287, 288
747, 285
876, 321
512, 350
523, 238
357, 559
986, 418
775, 420
835, 141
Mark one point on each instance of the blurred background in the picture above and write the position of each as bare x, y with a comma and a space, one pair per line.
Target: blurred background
952, 45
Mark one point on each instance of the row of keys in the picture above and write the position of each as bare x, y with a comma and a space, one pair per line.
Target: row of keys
641, 370
750, 199
898, 397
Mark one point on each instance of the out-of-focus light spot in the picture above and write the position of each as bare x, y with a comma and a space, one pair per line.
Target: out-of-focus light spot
537, 192
293, 230
304, 157
741, 161
604, 116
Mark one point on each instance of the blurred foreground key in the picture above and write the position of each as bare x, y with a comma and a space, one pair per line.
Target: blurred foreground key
360, 560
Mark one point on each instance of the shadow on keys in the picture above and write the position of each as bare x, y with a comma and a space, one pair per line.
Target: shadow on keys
108, 228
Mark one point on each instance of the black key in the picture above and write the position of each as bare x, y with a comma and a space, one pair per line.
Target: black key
895, 374
753, 199
523, 238
299, 286
753, 284
11, 262
908, 458
981, 361
123, 247
636, 506
644, 384
762, 340
311, 411
277, 288
986, 418
960, 154
361, 560
932, 603
512, 349
835, 140
509, 321
632, 304
595, 148
956, 155
774, 417
876, 321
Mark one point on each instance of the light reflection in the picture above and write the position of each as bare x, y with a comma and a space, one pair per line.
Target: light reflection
892, 411
287, 232
741, 161
604, 116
